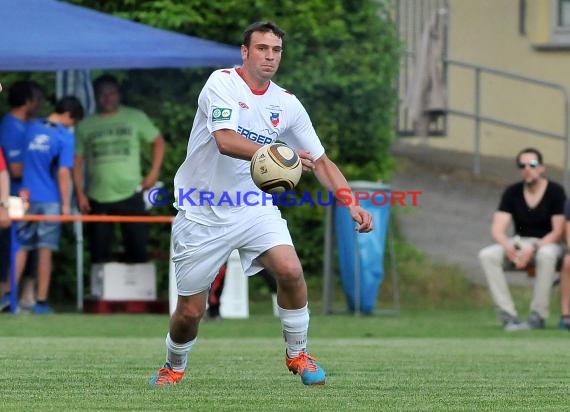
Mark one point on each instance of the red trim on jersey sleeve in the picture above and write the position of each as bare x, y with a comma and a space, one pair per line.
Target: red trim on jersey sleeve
256, 92
226, 71
2, 161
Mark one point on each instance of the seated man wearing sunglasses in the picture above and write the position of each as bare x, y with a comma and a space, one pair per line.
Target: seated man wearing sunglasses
535, 206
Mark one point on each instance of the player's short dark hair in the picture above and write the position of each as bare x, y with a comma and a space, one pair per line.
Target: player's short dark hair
72, 105
530, 150
20, 93
103, 80
264, 27
37, 88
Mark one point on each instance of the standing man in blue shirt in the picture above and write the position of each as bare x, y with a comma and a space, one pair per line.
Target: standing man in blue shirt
46, 180
25, 99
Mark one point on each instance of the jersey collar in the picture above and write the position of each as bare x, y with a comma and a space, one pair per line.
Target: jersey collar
254, 91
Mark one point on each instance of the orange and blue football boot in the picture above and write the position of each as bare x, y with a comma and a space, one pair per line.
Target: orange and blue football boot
307, 367
166, 376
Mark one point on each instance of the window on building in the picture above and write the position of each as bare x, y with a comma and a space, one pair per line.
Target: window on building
563, 13
559, 25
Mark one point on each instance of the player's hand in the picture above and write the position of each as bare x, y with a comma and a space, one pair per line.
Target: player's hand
83, 203
363, 218
306, 160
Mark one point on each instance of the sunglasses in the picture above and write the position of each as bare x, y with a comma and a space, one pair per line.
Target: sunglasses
533, 164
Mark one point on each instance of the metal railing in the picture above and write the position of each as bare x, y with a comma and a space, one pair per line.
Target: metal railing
479, 118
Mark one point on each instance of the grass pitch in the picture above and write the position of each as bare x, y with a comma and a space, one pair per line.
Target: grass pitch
421, 361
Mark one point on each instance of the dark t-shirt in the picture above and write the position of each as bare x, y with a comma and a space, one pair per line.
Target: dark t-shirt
567, 209
533, 222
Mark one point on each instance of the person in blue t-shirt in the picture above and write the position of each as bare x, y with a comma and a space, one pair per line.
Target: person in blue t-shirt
25, 99
48, 160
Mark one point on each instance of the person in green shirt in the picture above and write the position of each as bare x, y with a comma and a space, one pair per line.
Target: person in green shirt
108, 152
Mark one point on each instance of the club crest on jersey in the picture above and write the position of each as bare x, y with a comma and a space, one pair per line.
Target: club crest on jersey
274, 119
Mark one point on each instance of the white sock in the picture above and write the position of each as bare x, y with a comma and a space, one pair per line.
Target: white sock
275, 305
295, 324
177, 353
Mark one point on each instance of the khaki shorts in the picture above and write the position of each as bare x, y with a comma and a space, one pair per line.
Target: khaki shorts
200, 250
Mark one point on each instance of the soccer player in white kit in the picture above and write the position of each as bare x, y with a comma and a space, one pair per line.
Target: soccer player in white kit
220, 209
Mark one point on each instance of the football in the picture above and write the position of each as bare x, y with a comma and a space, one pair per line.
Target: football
276, 168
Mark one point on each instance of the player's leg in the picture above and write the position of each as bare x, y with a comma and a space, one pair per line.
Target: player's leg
293, 310
266, 243
199, 251
181, 338
282, 260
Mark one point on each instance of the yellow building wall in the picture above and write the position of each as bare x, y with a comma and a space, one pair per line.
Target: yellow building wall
538, 25
486, 32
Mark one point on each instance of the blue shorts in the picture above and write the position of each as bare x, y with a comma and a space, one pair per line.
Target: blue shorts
35, 235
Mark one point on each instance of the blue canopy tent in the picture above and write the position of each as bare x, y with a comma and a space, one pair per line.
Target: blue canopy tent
51, 35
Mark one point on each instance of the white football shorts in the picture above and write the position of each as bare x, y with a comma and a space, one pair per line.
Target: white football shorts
200, 250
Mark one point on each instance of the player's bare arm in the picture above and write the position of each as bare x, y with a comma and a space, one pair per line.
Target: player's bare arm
230, 143
332, 179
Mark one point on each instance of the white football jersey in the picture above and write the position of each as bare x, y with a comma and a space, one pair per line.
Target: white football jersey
216, 189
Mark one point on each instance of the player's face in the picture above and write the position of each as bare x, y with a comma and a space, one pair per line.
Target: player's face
108, 99
262, 57
531, 169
